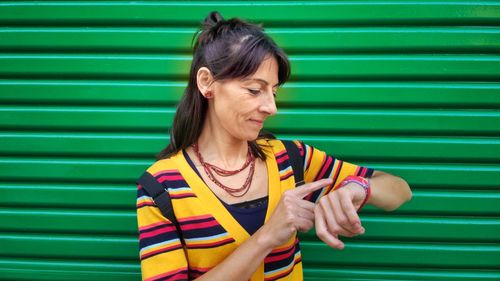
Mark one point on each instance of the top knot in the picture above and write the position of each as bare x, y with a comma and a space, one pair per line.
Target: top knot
212, 19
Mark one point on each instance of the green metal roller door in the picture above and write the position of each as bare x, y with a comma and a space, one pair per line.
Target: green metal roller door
88, 90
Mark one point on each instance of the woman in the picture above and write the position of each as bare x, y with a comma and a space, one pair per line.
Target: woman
233, 191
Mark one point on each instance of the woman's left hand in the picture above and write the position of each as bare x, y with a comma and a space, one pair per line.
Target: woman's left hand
336, 214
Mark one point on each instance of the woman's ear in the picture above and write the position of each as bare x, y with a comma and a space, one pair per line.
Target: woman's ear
204, 80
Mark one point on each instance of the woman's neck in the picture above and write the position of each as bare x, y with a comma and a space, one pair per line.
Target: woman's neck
222, 150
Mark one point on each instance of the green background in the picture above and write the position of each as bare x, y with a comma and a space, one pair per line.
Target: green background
88, 90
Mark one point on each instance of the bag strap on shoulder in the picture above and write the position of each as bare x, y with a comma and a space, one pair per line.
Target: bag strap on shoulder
295, 161
160, 197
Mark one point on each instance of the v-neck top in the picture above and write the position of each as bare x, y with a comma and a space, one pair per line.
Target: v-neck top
210, 231
249, 214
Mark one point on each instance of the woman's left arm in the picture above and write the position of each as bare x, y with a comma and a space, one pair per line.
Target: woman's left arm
336, 213
388, 192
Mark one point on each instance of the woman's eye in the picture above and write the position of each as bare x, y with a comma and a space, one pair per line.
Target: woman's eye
254, 92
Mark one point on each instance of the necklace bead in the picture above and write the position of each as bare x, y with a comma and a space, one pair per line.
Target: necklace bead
235, 192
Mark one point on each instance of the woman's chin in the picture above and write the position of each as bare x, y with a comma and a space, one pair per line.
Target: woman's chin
250, 137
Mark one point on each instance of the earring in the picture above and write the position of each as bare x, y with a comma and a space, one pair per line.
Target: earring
208, 94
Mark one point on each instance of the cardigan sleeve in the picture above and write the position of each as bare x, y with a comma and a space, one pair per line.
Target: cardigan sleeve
319, 165
161, 252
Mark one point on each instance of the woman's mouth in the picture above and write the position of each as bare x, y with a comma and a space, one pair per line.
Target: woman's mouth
257, 122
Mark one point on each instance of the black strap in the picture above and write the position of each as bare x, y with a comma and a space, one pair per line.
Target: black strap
160, 197
295, 161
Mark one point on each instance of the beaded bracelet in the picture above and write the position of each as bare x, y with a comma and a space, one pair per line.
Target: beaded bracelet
364, 183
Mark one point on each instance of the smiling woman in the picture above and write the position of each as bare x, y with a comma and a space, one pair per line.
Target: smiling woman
239, 107
233, 189
227, 56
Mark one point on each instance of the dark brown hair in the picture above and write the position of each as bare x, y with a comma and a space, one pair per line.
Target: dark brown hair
230, 49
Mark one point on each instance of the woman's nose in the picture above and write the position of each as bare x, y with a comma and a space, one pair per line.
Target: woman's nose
269, 105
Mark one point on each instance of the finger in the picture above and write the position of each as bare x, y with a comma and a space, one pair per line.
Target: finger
305, 189
304, 225
328, 215
322, 232
350, 212
332, 225
304, 204
306, 214
305, 209
341, 219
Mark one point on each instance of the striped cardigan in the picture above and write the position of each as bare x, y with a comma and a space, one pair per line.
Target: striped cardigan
209, 231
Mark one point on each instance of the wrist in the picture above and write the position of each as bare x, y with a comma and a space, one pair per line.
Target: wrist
363, 183
264, 240
358, 191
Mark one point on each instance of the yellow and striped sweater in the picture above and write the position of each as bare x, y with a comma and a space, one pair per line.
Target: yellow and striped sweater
209, 231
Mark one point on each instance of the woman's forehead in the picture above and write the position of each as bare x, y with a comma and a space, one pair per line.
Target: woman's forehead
259, 80
266, 74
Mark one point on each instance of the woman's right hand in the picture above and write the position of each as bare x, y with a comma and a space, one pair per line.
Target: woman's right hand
292, 214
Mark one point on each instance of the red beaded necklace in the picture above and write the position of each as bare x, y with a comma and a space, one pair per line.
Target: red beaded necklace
235, 192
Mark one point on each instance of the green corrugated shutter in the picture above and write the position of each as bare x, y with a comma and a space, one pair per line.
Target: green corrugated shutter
88, 90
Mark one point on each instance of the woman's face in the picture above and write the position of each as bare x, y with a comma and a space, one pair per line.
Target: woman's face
240, 106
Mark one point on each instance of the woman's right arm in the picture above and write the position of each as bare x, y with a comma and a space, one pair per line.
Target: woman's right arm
161, 253
292, 214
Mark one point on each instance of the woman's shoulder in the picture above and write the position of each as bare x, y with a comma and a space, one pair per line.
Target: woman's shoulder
277, 144
277, 141
161, 165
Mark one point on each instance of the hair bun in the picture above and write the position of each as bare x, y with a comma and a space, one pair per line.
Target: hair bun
212, 19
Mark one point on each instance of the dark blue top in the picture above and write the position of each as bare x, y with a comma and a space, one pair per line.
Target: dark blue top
250, 214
